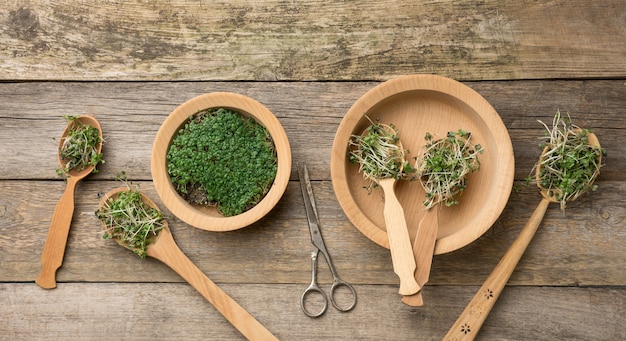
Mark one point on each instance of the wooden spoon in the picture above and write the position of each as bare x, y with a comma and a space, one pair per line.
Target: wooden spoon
164, 248
423, 249
54, 248
426, 237
471, 320
397, 231
399, 241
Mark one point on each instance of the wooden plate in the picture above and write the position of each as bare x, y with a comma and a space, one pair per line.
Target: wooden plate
417, 104
209, 218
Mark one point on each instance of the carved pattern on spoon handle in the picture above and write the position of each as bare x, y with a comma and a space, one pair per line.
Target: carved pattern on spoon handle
469, 322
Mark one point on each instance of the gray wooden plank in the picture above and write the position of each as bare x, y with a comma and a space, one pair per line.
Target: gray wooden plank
98, 311
315, 40
131, 113
582, 246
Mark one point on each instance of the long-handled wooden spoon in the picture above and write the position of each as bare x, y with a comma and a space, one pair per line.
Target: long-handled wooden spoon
54, 248
471, 320
395, 221
164, 248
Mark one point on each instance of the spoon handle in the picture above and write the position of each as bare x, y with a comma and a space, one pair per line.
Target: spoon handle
164, 248
54, 248
399, 240
423, 248
469, 322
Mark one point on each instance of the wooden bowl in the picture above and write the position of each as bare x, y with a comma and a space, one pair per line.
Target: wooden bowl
208, 218
418, 104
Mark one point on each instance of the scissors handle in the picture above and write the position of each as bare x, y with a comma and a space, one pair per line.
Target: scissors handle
314, 289
338, 283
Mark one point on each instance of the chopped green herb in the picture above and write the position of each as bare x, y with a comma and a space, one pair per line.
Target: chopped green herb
444, 165
221, 158
379, 154
79, 149
130, 221
568, 165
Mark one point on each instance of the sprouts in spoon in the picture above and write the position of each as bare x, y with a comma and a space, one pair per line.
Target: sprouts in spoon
444, 164
130, 221
568, 165
379, 153
80, 148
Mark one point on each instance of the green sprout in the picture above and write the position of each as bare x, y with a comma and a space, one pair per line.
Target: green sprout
568, 165
130, 221
79, 149
379, 154
221, 158
444, 165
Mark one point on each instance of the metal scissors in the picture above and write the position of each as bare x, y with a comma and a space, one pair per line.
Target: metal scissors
319, 246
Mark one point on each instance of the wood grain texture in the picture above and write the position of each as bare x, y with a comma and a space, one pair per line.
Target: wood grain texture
423, 251
399, 239
131, 114
130, 63
164, 248
468, 324
313, 40
588, 237
54, 248
175, 311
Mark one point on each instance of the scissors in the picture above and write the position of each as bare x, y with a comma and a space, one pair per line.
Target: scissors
319, 246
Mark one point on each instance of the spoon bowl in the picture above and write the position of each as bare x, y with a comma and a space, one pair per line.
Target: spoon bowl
85, 120
164, 248
472, 318
395, 221
458, 157
54, 248
552, 194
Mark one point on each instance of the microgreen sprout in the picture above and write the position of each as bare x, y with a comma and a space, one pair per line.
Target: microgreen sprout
379, 153
130, 221
79, 149
221, 158
568, 165
444, 164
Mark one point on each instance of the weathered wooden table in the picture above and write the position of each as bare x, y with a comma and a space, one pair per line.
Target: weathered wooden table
131, 63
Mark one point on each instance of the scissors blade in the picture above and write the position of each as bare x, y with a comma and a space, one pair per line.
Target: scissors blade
311, 210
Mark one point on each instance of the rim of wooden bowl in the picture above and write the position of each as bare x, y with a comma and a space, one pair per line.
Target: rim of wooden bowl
452, 104
208, 218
